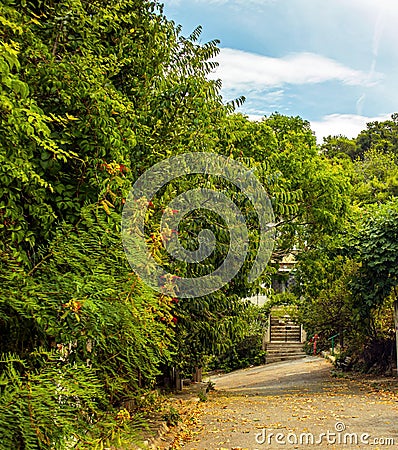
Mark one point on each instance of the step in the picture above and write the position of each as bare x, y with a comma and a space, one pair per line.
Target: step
285, 333
285, 336
274, 350
285, 352
277, 320
285, 328
273, 359
284, 345
294, 352
284, 324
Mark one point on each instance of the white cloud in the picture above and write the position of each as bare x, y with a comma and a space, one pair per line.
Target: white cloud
258, 101
255, 117
243, 70
273, 98
349, 125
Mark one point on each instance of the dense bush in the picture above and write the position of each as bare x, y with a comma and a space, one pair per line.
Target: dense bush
248, 348
81, 335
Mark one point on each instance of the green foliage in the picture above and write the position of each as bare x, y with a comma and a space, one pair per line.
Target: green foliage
380, 136
59, 405
376, 177
376, 247
38, 408
207, 326
309, 194
202, 396
172, 417
325, 305
318, 188
91, 95
246, 348
347, 285
26, 215
339, 147
283, 303
83, 300
82, 293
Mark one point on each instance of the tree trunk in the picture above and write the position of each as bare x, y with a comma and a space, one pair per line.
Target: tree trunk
341, 338
396, 328
179, 383
176, 380
197, 375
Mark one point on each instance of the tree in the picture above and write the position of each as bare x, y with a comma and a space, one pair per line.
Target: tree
334, 284
324, 304
92, 95
339, 146
87, 97
376, 177
26, 212
381, 136
309, 195
375, 247
96, 94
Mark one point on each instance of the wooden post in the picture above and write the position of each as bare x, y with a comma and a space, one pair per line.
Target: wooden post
268, 332
178, 381
341, 338
396, 328
197, 376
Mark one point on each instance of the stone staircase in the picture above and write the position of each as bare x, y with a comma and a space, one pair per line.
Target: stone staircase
285, 340
283, 351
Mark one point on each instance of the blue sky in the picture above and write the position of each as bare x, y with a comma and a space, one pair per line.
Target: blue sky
334, 63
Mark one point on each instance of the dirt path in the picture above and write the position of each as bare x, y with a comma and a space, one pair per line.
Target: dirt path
295, 405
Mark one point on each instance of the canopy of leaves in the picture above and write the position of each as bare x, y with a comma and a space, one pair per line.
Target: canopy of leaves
376, 247
92, 94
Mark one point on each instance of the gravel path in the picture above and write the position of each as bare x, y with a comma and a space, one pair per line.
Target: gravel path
295, 404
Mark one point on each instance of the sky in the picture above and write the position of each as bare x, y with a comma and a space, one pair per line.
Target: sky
333, 63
